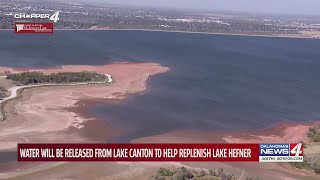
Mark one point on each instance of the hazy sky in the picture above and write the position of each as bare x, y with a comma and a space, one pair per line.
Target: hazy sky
270, 6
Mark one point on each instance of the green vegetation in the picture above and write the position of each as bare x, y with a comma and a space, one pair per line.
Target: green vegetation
64, 77
309, 163
300, 165
314, 133
165, 172
186, 174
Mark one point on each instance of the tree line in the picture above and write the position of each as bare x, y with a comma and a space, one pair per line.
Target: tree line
26, 78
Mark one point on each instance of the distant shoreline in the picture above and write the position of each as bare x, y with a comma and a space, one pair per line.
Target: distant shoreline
291, 36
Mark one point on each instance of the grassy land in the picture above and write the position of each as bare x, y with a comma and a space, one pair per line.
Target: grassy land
309, 163
186, 174
314, 133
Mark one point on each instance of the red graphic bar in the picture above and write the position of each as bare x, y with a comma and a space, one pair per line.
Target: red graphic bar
138, 152
33, 28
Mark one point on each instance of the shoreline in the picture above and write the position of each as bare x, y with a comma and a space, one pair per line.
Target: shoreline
289, 36
46, 111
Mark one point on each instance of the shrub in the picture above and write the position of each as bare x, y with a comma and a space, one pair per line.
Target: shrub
212, 173
317, 170
183, 174
188, 174
165, 172
314, 133
220, 172
7, 72
157, 178
3, 91
202, 173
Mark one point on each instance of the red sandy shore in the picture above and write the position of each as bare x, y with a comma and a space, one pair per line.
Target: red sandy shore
284, 132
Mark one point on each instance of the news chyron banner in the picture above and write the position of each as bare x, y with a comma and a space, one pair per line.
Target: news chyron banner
162, 152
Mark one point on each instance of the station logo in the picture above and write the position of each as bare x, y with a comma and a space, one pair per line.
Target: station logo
27, 27
23, 23
281, 152
296, 150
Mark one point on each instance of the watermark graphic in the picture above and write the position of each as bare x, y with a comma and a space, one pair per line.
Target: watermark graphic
33, 28
23, 24
54, 17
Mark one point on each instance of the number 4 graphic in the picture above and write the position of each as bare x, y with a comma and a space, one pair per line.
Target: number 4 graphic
55, 16
296, 149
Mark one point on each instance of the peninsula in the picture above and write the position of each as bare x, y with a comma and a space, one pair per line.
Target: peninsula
38, 79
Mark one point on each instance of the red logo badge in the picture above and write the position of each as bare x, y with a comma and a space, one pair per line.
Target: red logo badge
33, 28
296, 149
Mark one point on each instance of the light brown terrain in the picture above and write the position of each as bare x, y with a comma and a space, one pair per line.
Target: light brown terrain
52, 114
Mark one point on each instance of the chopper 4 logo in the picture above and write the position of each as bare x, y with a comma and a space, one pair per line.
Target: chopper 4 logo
35, 27
54, 17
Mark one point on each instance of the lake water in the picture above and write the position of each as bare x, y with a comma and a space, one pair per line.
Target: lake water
216, 82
